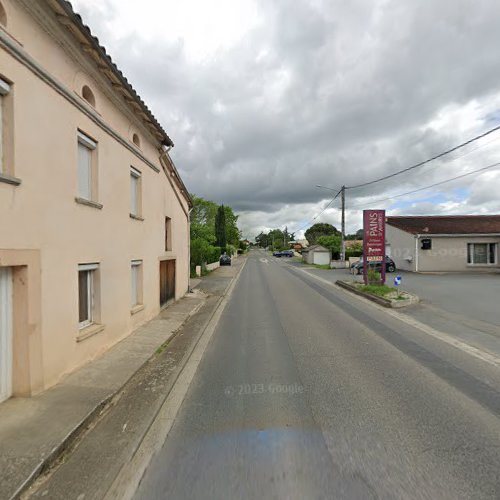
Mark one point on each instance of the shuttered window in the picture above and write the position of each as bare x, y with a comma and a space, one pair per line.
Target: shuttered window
135, 195
86, 150
4, 90
86, 283
136, 282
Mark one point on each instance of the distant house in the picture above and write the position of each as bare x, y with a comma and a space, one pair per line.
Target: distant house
317, 254
444, 243
296, 246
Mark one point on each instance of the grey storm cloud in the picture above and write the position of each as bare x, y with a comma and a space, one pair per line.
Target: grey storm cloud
321, 92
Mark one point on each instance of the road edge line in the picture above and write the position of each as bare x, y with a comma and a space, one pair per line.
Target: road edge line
442, 336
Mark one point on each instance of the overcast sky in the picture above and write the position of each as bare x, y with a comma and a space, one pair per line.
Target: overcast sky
265, 99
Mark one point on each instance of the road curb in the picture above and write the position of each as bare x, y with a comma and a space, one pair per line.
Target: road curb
93, 416
131, 473
390, 304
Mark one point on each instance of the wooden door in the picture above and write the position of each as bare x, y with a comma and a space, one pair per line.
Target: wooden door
167, 281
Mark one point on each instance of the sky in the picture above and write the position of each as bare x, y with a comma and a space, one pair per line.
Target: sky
266, 99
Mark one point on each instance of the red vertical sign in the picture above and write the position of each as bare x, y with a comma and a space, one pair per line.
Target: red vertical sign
373, 241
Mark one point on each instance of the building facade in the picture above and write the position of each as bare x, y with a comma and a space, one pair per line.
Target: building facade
444, 243
317, 254
94, 224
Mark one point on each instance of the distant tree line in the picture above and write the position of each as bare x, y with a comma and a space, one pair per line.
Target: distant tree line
276, 239
214, 231
320, 233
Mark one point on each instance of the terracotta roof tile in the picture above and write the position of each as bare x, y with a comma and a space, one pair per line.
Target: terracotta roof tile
447, 224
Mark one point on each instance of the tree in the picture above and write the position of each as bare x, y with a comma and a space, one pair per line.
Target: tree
318, 230
220, 228
262, 239
333, 243
203, 230
203, 219
233, 234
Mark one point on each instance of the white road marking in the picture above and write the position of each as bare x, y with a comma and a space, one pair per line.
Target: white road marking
444, 337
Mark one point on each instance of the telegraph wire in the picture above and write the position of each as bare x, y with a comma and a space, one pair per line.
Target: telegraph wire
435, 157
322, 211
431, 185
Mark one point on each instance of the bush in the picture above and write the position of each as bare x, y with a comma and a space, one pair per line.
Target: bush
214, 254
200, 248
352, 252
374, 277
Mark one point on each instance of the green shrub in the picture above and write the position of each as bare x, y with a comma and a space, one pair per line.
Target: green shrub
373, 277
380, 290
214, 254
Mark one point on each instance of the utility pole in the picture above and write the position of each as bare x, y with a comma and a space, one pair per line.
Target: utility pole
342, 248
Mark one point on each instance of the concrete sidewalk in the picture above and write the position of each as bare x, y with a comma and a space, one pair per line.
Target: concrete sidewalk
34, 431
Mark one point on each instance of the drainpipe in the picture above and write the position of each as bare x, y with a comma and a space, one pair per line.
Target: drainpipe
189, 290
416, 252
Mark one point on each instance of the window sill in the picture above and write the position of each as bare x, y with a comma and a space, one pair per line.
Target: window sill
136, 309
8, 179
89, 331
482, 265
136, 217
89, 203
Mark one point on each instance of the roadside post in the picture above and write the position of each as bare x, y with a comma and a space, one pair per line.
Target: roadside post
397, 282
374, 242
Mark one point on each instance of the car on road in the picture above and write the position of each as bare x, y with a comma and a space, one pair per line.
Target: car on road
357, 267
283, 253
225, 260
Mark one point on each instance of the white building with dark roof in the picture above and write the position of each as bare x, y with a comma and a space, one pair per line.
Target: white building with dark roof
457, 243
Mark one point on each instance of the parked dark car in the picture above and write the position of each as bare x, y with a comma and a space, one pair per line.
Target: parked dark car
225, 260
390, 266
287, 253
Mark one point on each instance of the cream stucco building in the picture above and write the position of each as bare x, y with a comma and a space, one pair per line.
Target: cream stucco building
94, 218
444, 243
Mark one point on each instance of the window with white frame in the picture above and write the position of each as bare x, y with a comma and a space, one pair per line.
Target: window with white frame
168, 234
136, 296
4, 91
135, 192
86, 160
86, 294
482, 253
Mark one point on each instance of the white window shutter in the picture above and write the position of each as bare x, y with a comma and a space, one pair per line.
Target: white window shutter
133, 194
84, 172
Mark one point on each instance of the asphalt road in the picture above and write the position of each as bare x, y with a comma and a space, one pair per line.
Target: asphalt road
307, 392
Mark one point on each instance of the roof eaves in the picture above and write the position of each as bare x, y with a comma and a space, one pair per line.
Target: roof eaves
94, 43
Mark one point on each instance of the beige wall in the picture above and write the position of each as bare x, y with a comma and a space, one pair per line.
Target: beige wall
41, 214
450, 254
402, 246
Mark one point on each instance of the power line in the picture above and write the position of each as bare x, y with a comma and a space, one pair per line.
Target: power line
440, 155
432, 185
316, 216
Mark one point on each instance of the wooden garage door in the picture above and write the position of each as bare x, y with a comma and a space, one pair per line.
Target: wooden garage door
167, 281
